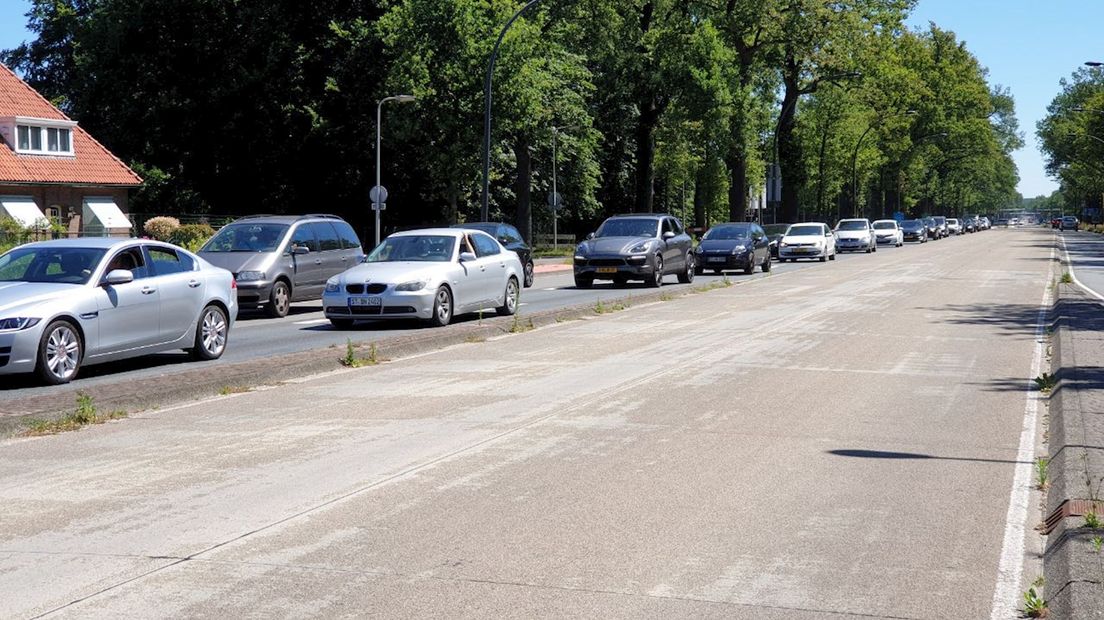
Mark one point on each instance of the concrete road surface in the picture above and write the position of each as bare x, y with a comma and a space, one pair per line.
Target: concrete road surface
1086, 255
837, 441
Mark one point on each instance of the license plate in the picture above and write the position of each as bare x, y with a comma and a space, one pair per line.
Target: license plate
803, 250
607, 270
717, 259
365, 301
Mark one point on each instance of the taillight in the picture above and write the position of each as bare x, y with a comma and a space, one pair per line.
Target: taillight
233, 284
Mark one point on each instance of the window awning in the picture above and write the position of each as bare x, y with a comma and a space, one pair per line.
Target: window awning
21, 209
102, 211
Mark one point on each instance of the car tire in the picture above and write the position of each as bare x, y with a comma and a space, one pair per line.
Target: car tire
657, 272
766, 266
583, 282
341, 324
529, 271
279, 300
868, 250
442, 307
510, 299
60, 341
750, 267
212, 334
687, 276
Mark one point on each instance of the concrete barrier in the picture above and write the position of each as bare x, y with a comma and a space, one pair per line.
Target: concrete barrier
1073, 564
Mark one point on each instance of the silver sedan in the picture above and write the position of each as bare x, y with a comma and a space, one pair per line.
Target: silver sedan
432, 274
74, 302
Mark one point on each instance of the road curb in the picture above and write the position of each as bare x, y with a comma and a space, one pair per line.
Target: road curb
208, 381
1072, 567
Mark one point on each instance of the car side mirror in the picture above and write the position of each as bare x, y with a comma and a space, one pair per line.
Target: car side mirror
300, 249
668, 235
466, 256
119, 276
589, 236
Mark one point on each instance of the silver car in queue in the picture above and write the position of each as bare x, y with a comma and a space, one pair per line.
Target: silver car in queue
70, 303
429, 274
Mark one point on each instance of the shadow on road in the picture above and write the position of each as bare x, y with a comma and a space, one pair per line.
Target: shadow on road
166, 360
879, 454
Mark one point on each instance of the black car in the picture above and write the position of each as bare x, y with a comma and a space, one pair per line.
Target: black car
915, 230
775, 232
931, 227
635, 247
735, 245
510, 239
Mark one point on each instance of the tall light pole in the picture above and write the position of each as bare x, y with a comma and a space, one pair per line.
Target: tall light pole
487, 112
378, 195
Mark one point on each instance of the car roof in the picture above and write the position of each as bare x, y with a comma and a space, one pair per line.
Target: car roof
284, 219
809, 224
450, 232
639, 215
89, 242
854, 219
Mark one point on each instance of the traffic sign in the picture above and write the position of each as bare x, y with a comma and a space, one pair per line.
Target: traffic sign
379, 206
378, 194
555, 200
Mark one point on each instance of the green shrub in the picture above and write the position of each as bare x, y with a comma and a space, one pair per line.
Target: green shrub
192, 236
161, 227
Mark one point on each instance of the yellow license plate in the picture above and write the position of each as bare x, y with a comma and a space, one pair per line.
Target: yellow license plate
607, 270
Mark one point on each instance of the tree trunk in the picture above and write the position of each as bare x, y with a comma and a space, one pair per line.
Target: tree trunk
789, 152
737, 164
453, 215
701, 192
522, 187
645, 156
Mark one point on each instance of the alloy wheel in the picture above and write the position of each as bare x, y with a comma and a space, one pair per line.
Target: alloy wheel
213, 332
62, 354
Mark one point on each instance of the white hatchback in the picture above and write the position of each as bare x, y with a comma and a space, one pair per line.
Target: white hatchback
889, 232
808, 240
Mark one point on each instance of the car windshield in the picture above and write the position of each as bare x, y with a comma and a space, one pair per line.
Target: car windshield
726, 233
852, 225
50, 264
775, 229
940, 220
414, 248
911, 224
805, 230
885, 225
246, 238
628, 227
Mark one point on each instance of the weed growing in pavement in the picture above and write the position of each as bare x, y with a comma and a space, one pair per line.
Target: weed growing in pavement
84, 414
712, 286
227, 390
1041, 465
474, 339
1067, 278
725, 282
352, 361
601, 308
373, 355
1046, 382
1097, 543
1034, 604
1092, 520
666, 297
518, 327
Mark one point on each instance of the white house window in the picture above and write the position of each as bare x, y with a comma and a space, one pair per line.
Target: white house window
44, 140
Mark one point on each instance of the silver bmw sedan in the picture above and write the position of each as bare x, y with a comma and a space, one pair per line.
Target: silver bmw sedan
74, 302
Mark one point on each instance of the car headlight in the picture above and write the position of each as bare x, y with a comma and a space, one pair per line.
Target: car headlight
415, 285
14, 324
333, 285
640, 247
783, 244
740, 249
250, 276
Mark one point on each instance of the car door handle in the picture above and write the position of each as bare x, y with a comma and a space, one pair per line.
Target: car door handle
193, 283
148, 290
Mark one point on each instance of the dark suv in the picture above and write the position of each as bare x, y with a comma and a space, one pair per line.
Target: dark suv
635, 247
510, 239
278, 259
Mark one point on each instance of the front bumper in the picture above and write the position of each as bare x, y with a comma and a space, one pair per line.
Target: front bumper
852, 244
726, 260
254, 293
19, 350
390, 304
892, 239
802, 252
916, 236
609, 267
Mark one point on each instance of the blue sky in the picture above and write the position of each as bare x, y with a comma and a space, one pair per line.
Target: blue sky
1028, 45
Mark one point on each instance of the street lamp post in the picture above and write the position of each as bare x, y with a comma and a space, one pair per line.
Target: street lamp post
487, 112
379, 197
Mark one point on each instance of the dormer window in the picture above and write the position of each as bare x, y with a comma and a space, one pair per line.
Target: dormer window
35, 136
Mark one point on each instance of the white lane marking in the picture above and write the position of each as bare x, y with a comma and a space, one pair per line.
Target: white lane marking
311, 322
1073, 276
1006, 596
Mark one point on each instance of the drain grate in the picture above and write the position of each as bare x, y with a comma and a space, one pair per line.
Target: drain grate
1072, 508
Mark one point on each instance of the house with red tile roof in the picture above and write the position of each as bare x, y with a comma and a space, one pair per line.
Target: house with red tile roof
50, 166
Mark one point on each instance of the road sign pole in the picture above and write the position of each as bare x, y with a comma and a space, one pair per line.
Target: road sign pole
555, 238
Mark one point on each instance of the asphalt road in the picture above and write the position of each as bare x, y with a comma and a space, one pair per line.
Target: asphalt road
1086, 254
840, 441
256, 337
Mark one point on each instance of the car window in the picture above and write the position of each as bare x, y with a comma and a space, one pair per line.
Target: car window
304, 236
667, 226
484, 245
349, 240
49, 264
628, 227
246, 237
327, 236
509, 235
166, 261
130, 259
678, 229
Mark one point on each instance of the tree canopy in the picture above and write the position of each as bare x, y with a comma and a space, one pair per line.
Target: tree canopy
270, 106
